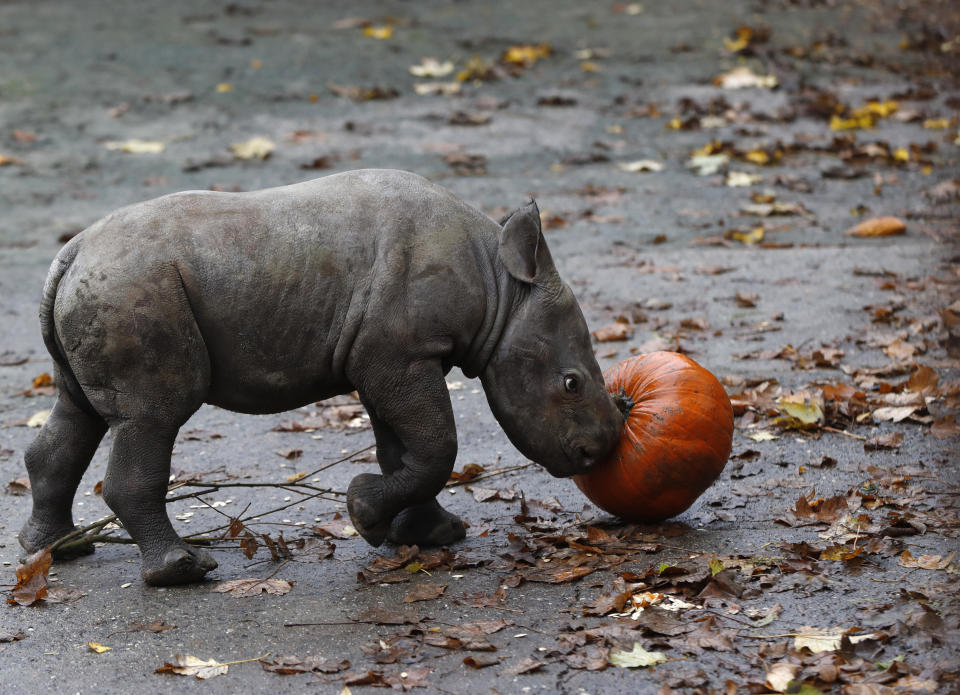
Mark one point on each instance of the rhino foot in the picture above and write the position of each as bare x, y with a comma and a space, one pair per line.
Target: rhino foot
426, 524
35, 536
180, 565
365, 505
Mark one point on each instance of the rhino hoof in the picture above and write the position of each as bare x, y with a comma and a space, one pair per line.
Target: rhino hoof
425, 525
365, 505
181, 565
34, 537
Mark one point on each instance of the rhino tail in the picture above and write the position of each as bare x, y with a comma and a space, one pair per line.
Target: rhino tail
66, 380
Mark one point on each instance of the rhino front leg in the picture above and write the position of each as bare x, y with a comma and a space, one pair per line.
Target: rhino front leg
416, 427
425, 524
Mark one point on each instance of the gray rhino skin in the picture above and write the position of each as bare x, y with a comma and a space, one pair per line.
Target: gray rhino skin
375, 280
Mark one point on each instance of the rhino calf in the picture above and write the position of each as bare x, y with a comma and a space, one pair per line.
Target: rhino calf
375, 280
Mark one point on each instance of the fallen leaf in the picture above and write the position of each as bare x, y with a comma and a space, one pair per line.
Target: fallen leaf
38, 419
98, 648
891, 440
18, 487
481, 660
527, 54
431, 67
187, 665
638, 657
617, 330
31, 583
380, 33
824, 641
893, 413
243, 588
12, 636
736, 179
743, 78
527, 665
925, 562
878, 226
780, 675
254, 148
708, 164
442, 88
425, 592
641, 165
762, 436
945, 427
136, 146
6, 160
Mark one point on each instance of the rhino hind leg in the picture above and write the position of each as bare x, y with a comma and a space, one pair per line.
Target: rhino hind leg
427, 524
56, 461
135, 489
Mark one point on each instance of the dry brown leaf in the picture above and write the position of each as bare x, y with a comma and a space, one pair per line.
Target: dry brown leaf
31, 583
617, 330
926, 562
878, 226
187, 665
243, 588
945, 427
425, 592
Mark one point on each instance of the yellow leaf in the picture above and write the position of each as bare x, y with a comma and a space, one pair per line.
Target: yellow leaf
754, 236
136, 146
98, 648
254, 148
800, 408
590, 66
901, 154
839, 123
880, 109
526, 54
380, 33
757, 157
7, 160
224, 87
256, 64
878, 226
744, 35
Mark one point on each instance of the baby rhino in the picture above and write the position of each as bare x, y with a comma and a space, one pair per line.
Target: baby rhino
375, 280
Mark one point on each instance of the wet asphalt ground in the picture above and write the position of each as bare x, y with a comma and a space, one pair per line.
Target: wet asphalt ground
649, 246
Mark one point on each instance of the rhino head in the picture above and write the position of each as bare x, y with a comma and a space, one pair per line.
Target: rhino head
542, 381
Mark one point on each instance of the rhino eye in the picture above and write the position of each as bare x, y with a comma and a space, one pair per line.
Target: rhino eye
571, 383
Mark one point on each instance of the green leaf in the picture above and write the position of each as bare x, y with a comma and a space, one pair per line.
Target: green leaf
663, 566
636, 658
884, 665
414, 567
716, 566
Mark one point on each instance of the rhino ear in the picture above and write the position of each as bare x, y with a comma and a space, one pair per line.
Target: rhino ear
519, 241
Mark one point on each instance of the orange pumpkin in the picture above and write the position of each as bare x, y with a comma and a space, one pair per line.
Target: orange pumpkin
675, 443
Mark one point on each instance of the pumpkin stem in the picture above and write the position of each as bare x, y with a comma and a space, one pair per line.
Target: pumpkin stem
624, 403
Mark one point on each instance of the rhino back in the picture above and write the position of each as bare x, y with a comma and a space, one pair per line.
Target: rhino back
294, 287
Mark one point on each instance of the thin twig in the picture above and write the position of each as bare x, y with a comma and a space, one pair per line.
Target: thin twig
843, 432
491, 474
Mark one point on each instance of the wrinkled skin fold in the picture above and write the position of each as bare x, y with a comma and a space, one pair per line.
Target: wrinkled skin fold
374, 280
